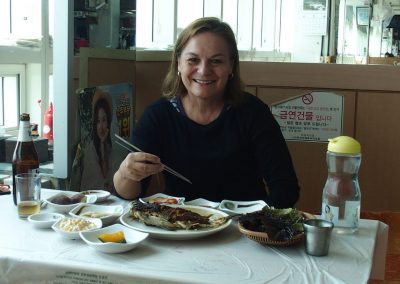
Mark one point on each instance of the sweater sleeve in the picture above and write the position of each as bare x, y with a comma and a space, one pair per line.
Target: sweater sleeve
272, 157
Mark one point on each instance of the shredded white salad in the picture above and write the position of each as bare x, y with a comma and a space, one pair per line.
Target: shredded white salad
75, 225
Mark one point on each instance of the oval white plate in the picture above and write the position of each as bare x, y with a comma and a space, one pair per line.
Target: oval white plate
160, 233
112, 212
75, 234
152, 198
202, 202
67, 207
44, 220
101, 194
132, 237
234, 207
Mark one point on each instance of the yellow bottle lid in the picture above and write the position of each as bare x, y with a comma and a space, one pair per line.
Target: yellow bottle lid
344, 145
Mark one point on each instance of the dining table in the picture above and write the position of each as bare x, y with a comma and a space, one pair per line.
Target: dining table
33, 255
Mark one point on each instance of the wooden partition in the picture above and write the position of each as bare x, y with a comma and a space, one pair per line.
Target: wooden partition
371, 101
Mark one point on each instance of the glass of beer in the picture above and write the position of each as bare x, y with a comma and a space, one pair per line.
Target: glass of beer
28, 188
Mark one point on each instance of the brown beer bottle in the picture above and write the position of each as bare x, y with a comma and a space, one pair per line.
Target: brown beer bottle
25, 158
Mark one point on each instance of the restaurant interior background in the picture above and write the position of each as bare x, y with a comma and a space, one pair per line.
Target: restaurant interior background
46, 47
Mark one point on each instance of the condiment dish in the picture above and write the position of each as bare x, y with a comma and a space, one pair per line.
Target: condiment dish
241, 207
202, 202
132, 238
44, 220
101, 195
65, 208
162, 198
106, 213
70, 228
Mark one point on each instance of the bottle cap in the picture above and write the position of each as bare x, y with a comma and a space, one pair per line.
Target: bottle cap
344, 145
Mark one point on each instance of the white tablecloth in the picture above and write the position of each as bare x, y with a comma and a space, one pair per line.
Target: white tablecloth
30, 255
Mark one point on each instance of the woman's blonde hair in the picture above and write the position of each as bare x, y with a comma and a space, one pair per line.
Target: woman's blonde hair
173, 86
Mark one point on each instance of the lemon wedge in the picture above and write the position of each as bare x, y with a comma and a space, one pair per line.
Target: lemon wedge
117, 237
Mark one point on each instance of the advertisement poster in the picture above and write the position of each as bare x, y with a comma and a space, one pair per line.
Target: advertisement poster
315, 116
103, 111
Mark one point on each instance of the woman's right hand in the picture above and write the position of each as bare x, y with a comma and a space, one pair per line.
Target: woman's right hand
140, 165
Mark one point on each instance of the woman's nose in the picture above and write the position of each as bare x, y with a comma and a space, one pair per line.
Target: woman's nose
204, 68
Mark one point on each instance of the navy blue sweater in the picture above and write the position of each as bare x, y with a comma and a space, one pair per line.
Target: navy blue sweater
226, 159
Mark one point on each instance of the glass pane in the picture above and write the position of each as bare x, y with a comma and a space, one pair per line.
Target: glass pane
11, 92
212, 8
26, 18
4, 18
163, 23
229, 13
244, 32
144, 28
1, 102
257, 24
268, 25
188, 11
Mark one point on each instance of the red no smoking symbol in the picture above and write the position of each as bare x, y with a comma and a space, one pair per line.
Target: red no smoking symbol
307, 99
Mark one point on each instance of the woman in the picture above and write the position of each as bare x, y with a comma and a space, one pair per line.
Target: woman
224, 140
97, 156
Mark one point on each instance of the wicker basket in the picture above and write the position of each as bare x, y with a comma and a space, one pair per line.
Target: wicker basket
263, 238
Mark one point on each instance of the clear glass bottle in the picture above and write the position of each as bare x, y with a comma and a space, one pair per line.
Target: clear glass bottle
25, 158
341, 196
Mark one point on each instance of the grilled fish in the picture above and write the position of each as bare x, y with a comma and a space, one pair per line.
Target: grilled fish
172, 218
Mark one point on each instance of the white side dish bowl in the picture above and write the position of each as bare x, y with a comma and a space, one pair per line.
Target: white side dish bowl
203, 203
44, 220
65, 208
162, 198
241, 207
101, 195
106, 213
132, 237
71, 227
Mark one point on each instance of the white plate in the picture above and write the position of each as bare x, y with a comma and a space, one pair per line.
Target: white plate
132, 237
106, 213
67, 207
234, 207
160, 233
75, 234
202, 202
101, 194
44, 220
154, 197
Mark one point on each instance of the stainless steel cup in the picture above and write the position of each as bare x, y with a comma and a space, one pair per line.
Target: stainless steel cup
317, 236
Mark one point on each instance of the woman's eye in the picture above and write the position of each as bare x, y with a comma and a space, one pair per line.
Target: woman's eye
216, 61
193, 60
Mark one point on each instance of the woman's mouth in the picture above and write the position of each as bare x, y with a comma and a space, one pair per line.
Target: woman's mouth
204, 82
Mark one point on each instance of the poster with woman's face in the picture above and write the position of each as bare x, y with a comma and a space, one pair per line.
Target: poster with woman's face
103, 112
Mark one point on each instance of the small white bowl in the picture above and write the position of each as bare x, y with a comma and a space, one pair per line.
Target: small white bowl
44, 220
106, 213
75, 233
65, 208
162, 198
102, 195
202, 202
132, 237
241, 207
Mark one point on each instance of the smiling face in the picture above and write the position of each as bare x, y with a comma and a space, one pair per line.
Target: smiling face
102, 124
205, 65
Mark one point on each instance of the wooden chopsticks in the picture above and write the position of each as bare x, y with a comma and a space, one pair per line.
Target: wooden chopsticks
130, 147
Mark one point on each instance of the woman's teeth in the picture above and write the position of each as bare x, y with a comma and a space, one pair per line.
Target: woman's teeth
203, 81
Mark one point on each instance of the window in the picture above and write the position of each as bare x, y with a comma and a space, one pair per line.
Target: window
26, 28
268, 30
10, 90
